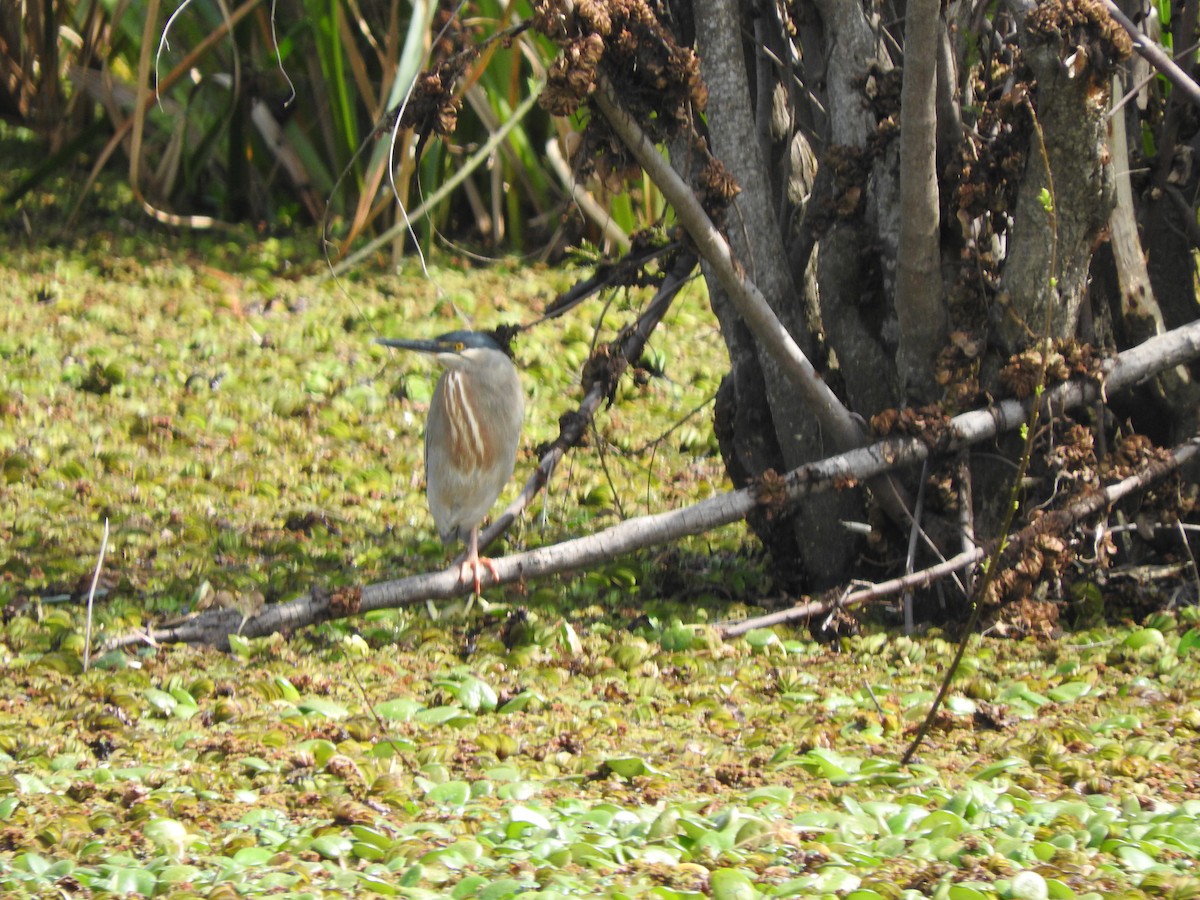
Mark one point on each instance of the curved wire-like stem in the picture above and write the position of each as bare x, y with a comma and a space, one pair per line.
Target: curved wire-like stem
473, 162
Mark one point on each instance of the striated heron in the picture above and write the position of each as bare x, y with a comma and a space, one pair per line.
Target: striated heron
471, 436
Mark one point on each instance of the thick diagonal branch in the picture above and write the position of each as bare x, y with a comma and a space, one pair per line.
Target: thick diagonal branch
1153, 54
836, 421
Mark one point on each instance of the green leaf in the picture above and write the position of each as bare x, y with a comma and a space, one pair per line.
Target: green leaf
629, 766
468, 887
126, 880
502, 889
732, 884
287, 689
1189, 641
443, 715
1059, 890
401, 709
1145, 637
525, 815
320, 706
1068, 692
332, 846
963, 891
178, 874
1135, 858
161, 701
476, 695
678, 638
519, 702
321, 749
451, 793
170, 835
960, 705
836, 879
761, 638
1028, 885
240, 646
569, 639
253, 856
770, 795
255, 764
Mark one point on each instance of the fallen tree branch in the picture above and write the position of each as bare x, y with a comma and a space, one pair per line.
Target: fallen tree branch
215, 625
1081, 507
1124, 371
1127, 370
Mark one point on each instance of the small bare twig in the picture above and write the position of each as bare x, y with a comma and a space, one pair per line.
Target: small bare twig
87, 636
811, 608
966, 514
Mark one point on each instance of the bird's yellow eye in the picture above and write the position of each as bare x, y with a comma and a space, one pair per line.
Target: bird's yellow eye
459, 346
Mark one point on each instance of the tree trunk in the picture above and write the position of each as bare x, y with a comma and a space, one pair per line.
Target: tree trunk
860, 210
1067, 191
761, 418
920, 307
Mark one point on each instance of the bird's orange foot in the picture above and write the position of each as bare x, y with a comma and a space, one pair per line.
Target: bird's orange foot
469, 573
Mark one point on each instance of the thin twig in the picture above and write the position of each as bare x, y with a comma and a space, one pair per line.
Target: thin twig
87, 637
911, 558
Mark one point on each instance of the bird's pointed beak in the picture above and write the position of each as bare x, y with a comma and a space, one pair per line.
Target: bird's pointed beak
421, 346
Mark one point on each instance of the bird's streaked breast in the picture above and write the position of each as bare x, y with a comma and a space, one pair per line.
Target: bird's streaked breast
468, 445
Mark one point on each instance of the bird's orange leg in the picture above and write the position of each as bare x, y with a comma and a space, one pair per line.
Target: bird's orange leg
473, 561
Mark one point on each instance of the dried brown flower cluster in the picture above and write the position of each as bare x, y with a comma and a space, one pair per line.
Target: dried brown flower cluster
1095, 43
1067, 359
433, 107
657, 79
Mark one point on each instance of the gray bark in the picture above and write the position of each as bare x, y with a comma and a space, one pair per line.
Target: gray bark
920, 307
1049, 252
755, 236
857, 256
